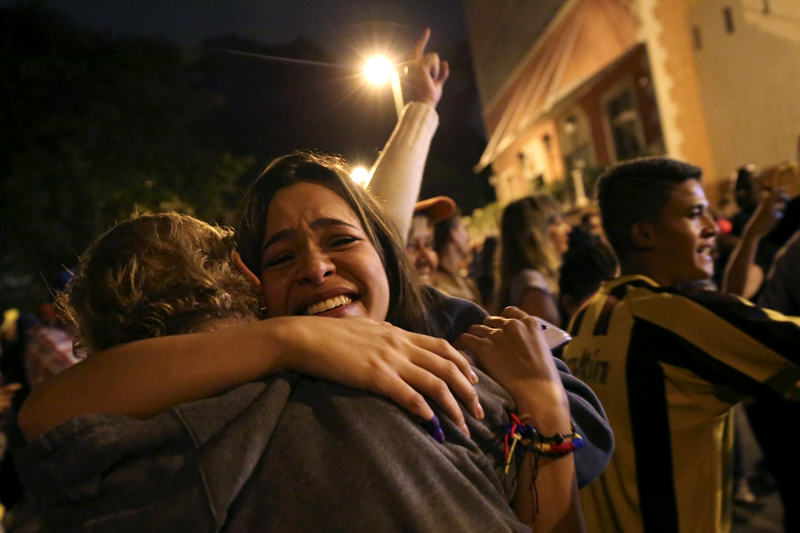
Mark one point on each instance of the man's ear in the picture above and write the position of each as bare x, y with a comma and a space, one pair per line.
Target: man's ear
237, 260
642, 235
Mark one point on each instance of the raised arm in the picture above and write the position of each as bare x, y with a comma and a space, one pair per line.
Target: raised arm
742, 275
397, 174
512, 350
143, 378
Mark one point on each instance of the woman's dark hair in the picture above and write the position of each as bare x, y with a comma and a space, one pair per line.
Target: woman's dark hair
588, 262
407, 305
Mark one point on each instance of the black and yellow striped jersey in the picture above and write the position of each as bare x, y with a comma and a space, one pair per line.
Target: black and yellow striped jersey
668, 365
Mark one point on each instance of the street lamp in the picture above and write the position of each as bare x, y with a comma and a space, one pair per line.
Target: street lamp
361, 176
378, 70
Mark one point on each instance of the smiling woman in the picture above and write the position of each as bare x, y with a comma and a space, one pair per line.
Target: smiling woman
294, 451
304, 221
322, 262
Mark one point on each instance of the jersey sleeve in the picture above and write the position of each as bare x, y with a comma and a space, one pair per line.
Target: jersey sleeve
729, 340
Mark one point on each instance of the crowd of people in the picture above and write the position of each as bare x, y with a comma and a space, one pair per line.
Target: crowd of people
349, 359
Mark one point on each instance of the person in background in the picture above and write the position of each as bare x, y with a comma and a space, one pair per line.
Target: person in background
48, 349
534, 238
745, 268
592, 224
668, 360
782, 287
747, 193
420, 248
14, 390
781, 292
766, 220
588, 262
482, 269
451, 240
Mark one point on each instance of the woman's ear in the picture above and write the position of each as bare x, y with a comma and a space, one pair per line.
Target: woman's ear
237, 260
642, 235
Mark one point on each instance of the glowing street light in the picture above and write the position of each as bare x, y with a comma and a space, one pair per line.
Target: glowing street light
377, 71
361, 176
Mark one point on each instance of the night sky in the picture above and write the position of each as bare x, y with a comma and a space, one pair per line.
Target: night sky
332, 23
55, 205
346, 30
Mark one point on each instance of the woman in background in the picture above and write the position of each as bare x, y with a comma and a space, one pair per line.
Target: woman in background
534, 238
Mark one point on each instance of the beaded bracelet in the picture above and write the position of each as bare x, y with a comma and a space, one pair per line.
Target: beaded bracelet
530, 439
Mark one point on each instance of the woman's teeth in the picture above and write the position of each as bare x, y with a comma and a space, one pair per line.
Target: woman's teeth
327, 305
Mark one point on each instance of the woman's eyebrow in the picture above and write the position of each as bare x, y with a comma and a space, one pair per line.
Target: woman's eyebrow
318, 223
326, 222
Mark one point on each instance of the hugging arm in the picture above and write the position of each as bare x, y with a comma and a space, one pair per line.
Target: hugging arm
143, 378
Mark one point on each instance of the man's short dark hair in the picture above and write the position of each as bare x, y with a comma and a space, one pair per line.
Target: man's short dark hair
637, 191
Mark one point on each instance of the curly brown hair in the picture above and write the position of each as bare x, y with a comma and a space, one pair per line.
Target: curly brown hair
153, 275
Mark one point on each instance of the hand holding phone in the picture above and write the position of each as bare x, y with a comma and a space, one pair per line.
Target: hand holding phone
553, 335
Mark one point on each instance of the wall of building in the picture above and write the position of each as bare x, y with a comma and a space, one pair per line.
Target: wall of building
665, 29
749, 79
514, 175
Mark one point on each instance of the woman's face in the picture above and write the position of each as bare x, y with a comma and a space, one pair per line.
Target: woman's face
317, 260
558, 232
419, 248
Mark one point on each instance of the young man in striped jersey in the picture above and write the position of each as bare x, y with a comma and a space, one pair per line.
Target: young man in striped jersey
669, 363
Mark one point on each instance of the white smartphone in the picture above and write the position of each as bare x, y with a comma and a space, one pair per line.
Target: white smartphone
554, 336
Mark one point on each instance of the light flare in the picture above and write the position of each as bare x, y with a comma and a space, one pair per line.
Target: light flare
378, 70
361, 176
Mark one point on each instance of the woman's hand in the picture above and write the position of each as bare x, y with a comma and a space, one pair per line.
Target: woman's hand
381, 358
425, 74
512, 349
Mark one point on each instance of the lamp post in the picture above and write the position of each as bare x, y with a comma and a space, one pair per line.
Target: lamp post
377, 71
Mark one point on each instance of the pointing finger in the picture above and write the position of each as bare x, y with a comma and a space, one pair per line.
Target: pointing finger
419, 48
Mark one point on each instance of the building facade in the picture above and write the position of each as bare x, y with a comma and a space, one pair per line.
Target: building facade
569, 87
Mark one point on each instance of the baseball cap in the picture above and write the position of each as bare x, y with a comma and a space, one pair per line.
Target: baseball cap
436, 208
